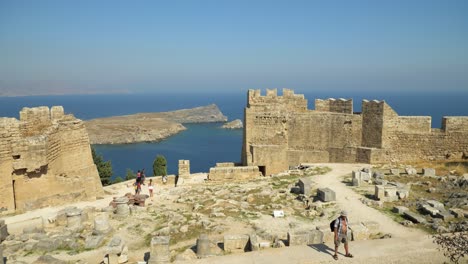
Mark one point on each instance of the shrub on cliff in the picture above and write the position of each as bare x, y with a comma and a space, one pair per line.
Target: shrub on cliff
160, 166
104, 167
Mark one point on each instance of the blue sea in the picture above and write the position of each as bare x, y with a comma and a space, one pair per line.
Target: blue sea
206, 144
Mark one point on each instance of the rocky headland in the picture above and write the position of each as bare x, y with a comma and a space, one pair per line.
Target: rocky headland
148, 127
235, 124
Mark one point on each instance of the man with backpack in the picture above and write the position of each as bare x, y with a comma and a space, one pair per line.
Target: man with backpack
340, 228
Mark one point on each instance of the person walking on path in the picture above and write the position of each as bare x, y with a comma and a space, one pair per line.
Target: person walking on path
341, 234
151, 188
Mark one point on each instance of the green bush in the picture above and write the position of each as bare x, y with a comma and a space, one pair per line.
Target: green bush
130, 175
160, 166
118, 179
104, 167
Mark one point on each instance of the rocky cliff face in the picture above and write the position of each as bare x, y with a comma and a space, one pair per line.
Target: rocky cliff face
148, 127
45, 159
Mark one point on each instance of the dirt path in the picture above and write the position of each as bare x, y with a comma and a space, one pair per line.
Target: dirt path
348, 200
406, 246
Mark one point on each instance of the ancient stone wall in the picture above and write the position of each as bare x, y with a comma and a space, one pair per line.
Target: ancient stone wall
223, 172
45, 159
279, 132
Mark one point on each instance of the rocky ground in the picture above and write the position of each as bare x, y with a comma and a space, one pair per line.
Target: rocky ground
217, 209
148, 127
235, 124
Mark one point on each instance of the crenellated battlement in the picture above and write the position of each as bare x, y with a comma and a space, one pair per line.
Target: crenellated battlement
288, 101
340, 105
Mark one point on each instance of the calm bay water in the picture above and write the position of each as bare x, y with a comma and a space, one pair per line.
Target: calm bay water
206, 144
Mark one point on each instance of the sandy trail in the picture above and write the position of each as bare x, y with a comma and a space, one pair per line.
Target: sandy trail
407, 245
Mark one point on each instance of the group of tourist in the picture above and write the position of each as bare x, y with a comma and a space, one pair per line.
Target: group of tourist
140, 180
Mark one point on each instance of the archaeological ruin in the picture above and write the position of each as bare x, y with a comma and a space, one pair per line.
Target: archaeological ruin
45, 159
280, 131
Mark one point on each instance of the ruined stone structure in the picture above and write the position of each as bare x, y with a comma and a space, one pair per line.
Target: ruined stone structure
227, 171
280, 132
184, 168
45, 159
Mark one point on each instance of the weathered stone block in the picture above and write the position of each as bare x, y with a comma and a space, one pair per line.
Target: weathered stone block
395, 172
203, 246
315, 237
444, 215
436, 204
414, 217
3, 230
160, 253
236, 243
365, 176
390, 193
327, 234
326, 194
253, 241
93, 242
359, 232
356, 182
403, 193
297, 239
379, 193
427, 209
305, 186
411, 171
429, 172
400, 209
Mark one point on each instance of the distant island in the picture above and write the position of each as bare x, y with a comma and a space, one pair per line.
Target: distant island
148, 127
235, 124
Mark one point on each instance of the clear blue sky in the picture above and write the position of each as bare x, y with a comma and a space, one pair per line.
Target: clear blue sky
234, 45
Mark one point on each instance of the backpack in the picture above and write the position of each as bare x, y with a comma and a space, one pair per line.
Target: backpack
332, 225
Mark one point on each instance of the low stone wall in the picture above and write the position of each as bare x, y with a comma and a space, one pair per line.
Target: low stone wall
233, 173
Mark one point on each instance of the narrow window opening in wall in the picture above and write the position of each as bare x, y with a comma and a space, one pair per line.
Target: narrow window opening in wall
349, 122
262, 170
16, 157
14, 195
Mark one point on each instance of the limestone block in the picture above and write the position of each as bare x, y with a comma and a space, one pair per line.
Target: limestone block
427, 209
356, 182
326, 194
315, 237
298, 238
47, 245
101, 224
160, 253
236, 243
365, 176
253, 241
379, 193
411, 171
93, 242
359, 232
400, 209
1, 255
305, 186
47, 259
115, 246
429, 172
3, 230
436, 204
327, 234
395, 172
390, 193
444, 215
74, 219
414, 217
203, 246
372, 226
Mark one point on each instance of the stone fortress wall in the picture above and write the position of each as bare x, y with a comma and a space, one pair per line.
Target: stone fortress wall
280, 132
45, 159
